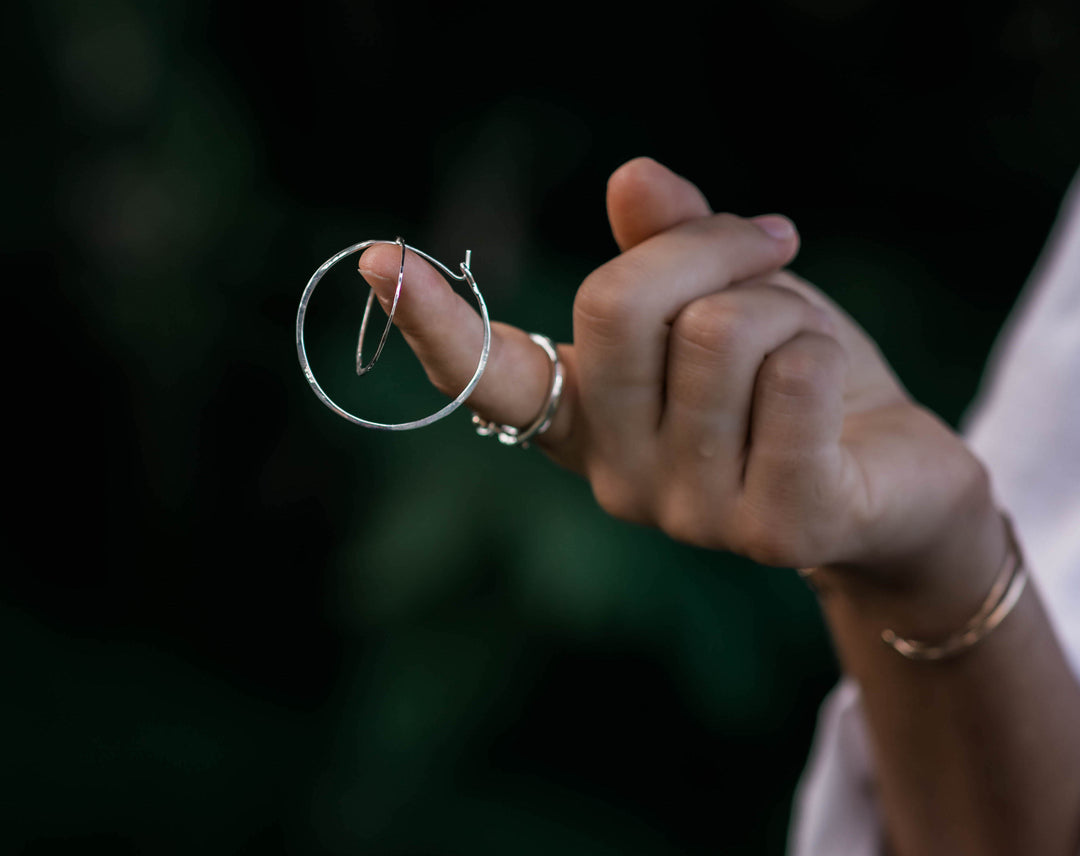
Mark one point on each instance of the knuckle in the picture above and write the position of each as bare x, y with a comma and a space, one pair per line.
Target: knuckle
799, 372
609, 494
710, 228
718, 328
682, 518
600, 306
784, 531
767, 541
633, 175
726, 220
674, 521
725, 226
617, 496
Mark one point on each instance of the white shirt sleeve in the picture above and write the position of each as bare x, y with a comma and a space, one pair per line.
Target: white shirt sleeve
1025, 426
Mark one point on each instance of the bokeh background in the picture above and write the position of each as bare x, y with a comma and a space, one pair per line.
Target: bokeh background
231, 622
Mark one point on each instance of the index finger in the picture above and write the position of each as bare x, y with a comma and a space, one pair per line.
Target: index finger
447, 336
624, 310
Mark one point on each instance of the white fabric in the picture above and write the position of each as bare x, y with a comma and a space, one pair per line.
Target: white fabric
1026, 429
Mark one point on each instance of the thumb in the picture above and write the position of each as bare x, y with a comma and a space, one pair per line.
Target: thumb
645, 198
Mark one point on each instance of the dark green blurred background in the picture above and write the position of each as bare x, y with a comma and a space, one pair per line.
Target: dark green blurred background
231, 622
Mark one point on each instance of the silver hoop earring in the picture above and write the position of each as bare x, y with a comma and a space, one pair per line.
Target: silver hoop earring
465, 276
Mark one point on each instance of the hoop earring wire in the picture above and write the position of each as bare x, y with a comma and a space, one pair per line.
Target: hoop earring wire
465, 276
361, 369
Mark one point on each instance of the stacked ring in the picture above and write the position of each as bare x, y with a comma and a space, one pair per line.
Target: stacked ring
508, 435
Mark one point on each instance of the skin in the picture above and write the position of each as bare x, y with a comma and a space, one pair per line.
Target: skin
718, 397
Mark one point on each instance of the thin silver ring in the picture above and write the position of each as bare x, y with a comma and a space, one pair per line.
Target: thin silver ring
465, 276
508, 435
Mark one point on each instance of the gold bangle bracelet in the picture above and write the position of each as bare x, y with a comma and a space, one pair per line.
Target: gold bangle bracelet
1004, 595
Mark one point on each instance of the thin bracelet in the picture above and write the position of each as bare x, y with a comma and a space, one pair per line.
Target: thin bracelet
1004, 595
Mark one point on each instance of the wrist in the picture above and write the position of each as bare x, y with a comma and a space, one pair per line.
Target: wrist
933, 588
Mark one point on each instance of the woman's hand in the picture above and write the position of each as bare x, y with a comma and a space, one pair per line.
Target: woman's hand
722, 399
712, 394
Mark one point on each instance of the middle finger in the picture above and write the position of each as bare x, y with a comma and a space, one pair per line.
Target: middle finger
718, 344
624, 309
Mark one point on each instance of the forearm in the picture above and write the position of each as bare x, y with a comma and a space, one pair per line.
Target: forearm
978, 753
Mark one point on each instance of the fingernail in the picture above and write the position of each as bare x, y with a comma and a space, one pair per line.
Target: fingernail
369, 275
775, 226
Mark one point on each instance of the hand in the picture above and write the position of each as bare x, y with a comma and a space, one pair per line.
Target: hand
712, 394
